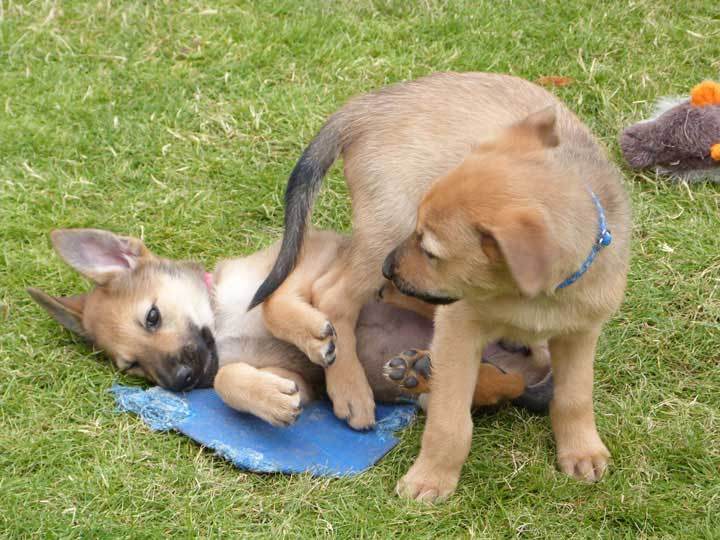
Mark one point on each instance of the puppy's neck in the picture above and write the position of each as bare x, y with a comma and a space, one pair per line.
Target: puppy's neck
578, 237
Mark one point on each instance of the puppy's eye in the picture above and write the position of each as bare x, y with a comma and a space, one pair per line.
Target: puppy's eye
152, 319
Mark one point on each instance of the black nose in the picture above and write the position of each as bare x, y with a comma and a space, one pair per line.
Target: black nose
388, 268
180, 379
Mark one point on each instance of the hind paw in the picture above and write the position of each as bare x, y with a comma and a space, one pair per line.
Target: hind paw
410, 370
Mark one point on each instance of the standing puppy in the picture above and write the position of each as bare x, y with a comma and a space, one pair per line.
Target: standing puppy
508, 235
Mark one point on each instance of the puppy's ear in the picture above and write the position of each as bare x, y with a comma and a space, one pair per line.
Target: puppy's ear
523, 241
98, 255
535, 132
68, 311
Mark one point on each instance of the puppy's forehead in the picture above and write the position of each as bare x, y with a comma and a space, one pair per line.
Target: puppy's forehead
177, 289
183, 299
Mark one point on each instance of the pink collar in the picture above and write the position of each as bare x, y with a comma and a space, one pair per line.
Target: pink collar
208, 279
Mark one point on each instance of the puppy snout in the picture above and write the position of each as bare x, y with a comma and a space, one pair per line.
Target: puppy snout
388, 268
181, 378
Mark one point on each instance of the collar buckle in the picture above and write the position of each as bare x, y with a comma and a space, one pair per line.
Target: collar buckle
604, 238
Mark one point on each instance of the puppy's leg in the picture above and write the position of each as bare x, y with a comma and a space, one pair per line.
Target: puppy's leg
411, 370
305, 389
274, 394
290, 317
448, 430
340, 294
580, 451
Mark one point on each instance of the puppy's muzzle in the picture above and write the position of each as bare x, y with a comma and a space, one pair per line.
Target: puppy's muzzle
388, 271
388, 268
195, 366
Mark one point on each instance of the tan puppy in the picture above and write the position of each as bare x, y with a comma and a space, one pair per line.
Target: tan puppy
509, 217
172, 323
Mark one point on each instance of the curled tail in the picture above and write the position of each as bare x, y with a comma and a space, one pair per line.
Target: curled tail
302, 188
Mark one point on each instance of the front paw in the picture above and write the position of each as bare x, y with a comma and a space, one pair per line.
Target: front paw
352, 398
279, 402
320, 348
585, 460
427, 483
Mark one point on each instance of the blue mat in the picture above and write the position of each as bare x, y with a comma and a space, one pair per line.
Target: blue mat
317, 443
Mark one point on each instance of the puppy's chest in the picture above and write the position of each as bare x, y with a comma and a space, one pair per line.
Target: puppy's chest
527, 320
232, 295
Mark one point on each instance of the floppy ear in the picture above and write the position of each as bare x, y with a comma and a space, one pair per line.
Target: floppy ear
96, 254
535, 132
524, 242
68, 311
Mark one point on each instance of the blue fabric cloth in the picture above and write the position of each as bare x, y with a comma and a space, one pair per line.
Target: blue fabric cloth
317, 443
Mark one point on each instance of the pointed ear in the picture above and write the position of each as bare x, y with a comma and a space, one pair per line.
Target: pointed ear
535, 132
68, 311
98, 255
523, 241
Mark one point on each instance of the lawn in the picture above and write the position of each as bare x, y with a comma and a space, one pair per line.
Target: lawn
179, 121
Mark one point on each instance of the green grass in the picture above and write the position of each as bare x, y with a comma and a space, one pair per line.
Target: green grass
180, 121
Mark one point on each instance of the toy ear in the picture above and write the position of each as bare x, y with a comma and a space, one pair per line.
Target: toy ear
705, 93
715, 151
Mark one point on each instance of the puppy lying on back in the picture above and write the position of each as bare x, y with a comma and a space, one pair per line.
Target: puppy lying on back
500, 199
173, 324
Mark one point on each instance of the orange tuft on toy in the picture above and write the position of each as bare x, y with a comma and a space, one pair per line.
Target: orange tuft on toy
705, 93
715, 151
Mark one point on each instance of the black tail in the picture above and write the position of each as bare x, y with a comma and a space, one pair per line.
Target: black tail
302, 188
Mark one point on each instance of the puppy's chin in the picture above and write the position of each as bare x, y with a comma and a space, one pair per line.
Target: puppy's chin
427, 297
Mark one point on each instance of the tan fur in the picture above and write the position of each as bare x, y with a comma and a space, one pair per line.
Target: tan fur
506, 166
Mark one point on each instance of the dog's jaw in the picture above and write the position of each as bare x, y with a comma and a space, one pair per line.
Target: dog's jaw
436, 300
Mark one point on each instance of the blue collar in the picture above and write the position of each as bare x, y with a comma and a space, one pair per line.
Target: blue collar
604, 238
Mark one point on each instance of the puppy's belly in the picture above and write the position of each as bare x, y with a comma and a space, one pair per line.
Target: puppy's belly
382, 332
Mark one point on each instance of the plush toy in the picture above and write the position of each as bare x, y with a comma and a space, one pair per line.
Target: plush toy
682, 139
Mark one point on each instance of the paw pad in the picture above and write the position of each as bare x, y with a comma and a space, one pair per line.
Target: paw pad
410, 370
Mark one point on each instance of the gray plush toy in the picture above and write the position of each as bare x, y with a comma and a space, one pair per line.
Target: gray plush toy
682, 140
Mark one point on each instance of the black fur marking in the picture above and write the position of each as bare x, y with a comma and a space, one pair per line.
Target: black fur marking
425, 297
